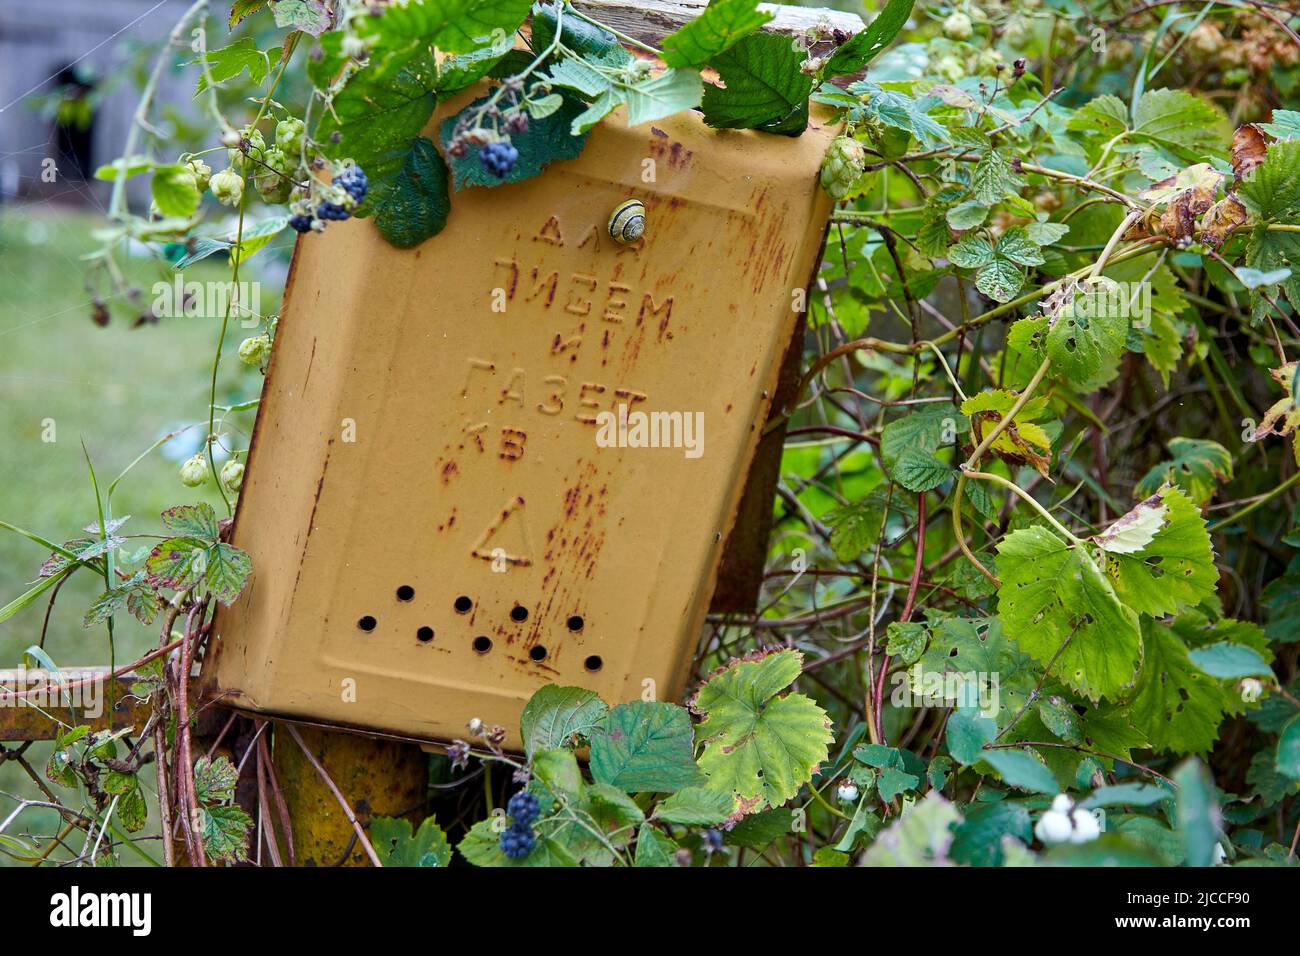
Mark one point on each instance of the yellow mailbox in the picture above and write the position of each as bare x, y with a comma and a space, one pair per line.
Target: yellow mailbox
454, 494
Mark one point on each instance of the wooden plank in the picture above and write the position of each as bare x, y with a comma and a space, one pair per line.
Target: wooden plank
651, 20
32, 707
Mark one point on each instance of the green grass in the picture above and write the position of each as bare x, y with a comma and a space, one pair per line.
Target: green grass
118, 389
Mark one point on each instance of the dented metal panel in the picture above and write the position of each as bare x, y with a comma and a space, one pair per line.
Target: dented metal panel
435, 529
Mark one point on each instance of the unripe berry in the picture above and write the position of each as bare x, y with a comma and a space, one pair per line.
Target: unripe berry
194, 471
1251, 688
256, 146
842, 167
847, 792
202, 173
255, 350
275, 184
228, 187
957, 27
950, 68
989, 61
288, 135
232, 475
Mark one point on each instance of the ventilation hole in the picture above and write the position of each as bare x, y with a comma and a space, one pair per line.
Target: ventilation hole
482, 644
519, 613
537, 652
593, 663
463, 605
405, 592
575, 623
367, 623
424, 634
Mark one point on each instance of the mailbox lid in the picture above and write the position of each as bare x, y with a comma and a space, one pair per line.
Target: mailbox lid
442, 510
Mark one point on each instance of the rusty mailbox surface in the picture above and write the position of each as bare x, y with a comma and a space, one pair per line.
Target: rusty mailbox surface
438, 523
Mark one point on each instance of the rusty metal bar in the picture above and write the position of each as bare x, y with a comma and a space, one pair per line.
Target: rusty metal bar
35, 703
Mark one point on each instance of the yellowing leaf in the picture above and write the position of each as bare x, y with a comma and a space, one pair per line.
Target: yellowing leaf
758, 746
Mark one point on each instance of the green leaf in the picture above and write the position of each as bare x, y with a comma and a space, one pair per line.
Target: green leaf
1000, 280
1059, 716
1178, 705
554, 716
1228, 661
906, 640
1197, 813
757, 745
977, 840
414, 204
1052, 594
920, 837
722, 24
992, 180
309, 16
1272, 191
574, 74
453, 26
645, 746
556, 776
1186, 125
671, 91
1046, 233
243, 8
968, 215
547, 140
230, 61
653, 848
224, 832
1288, 750
591, 42
604, 104
1268, 251
865, 45
917, 471
214, 780
695, 806
1080, 343
1127, 794
764, 87
174, 191
856, 526
971, 252
967, 733
759, 830
255, 237
1017, 246
396, 845
382, 109
894, 782
1197, 466
1019, 768
1285, 125
927, 429
1176, 569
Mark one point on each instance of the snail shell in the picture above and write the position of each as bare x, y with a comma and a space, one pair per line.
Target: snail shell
627, 222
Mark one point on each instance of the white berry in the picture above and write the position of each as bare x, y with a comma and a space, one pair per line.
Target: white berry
1086, 828
1053, 827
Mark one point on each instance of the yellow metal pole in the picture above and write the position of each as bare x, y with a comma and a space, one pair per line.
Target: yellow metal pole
381, 778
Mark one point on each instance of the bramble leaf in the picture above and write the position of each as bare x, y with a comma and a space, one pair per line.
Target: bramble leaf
759, 746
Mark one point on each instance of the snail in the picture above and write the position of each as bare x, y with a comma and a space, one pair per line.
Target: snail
627, 222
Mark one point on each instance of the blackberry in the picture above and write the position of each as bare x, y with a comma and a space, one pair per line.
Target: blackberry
523, 808
712, 840
353, 179
498, 158
300, 223
329, 210
517, 842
